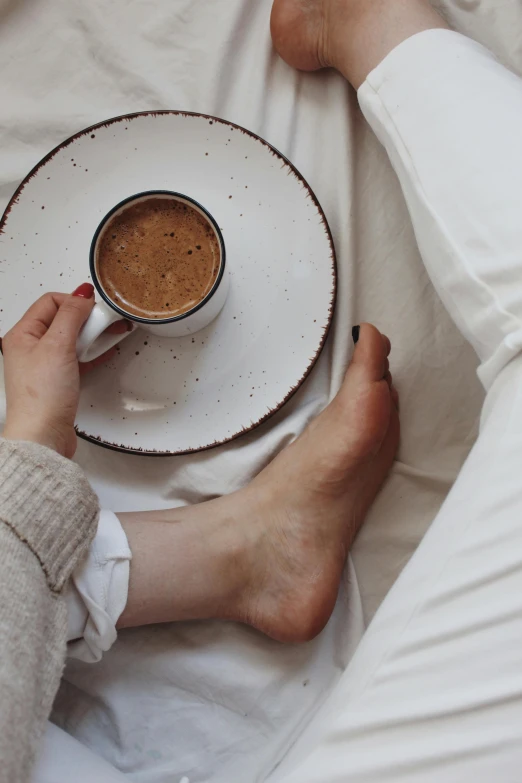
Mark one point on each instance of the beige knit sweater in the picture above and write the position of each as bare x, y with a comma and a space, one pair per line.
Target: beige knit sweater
48, 517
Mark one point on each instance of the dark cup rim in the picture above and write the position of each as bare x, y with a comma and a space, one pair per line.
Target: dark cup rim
103, 223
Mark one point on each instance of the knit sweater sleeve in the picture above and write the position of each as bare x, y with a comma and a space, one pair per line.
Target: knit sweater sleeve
48, 517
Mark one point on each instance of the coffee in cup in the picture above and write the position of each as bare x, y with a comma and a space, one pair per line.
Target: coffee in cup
158, 260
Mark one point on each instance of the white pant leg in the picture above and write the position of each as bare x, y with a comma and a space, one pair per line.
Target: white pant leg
450, 118
434, 691
97, 593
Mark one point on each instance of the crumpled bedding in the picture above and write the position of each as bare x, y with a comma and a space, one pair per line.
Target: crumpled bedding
216, 701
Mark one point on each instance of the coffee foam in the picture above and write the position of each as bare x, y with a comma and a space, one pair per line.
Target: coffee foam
158, 259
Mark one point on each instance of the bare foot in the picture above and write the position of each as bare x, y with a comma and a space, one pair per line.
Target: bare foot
353, 36
309, 503
302, 30
272, 553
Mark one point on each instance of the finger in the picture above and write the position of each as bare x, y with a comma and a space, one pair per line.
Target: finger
39, 316
71, 316
86, 367
119, 327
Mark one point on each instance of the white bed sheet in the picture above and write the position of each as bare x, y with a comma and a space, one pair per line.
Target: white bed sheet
216, 701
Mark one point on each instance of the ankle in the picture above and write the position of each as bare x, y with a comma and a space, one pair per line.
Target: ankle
359, 34
229, 539
189, 563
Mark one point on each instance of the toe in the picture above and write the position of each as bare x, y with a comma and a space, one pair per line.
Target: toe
370, 353
360, 413
387, 344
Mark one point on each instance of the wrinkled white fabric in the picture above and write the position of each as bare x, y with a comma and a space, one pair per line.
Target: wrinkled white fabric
215, 701
97, 593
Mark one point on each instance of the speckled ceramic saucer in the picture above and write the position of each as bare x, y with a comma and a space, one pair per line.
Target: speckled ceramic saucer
172, 396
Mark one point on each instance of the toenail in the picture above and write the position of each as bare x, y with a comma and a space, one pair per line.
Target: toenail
355, 333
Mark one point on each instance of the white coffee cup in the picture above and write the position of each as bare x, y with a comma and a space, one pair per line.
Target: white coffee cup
94, 340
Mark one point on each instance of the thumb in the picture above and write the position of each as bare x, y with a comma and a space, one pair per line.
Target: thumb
71, 316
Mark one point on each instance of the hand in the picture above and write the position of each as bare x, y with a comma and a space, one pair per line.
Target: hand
42, 374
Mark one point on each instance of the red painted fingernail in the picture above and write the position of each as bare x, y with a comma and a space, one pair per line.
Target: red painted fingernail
85, 290
130, 327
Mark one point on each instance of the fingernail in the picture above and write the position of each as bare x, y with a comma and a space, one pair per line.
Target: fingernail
130, 327
355, 333
85, 290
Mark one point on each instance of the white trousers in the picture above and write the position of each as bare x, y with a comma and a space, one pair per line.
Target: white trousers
434, 691
97, 593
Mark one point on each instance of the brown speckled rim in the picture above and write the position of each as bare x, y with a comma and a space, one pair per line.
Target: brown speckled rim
310, 194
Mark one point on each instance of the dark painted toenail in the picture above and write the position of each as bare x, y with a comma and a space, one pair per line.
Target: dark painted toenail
355, 333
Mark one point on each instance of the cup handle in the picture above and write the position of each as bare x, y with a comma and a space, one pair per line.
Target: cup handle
92, 341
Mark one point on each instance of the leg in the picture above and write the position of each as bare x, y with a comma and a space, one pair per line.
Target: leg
435, 684
353, 36
452, 135
272, 554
